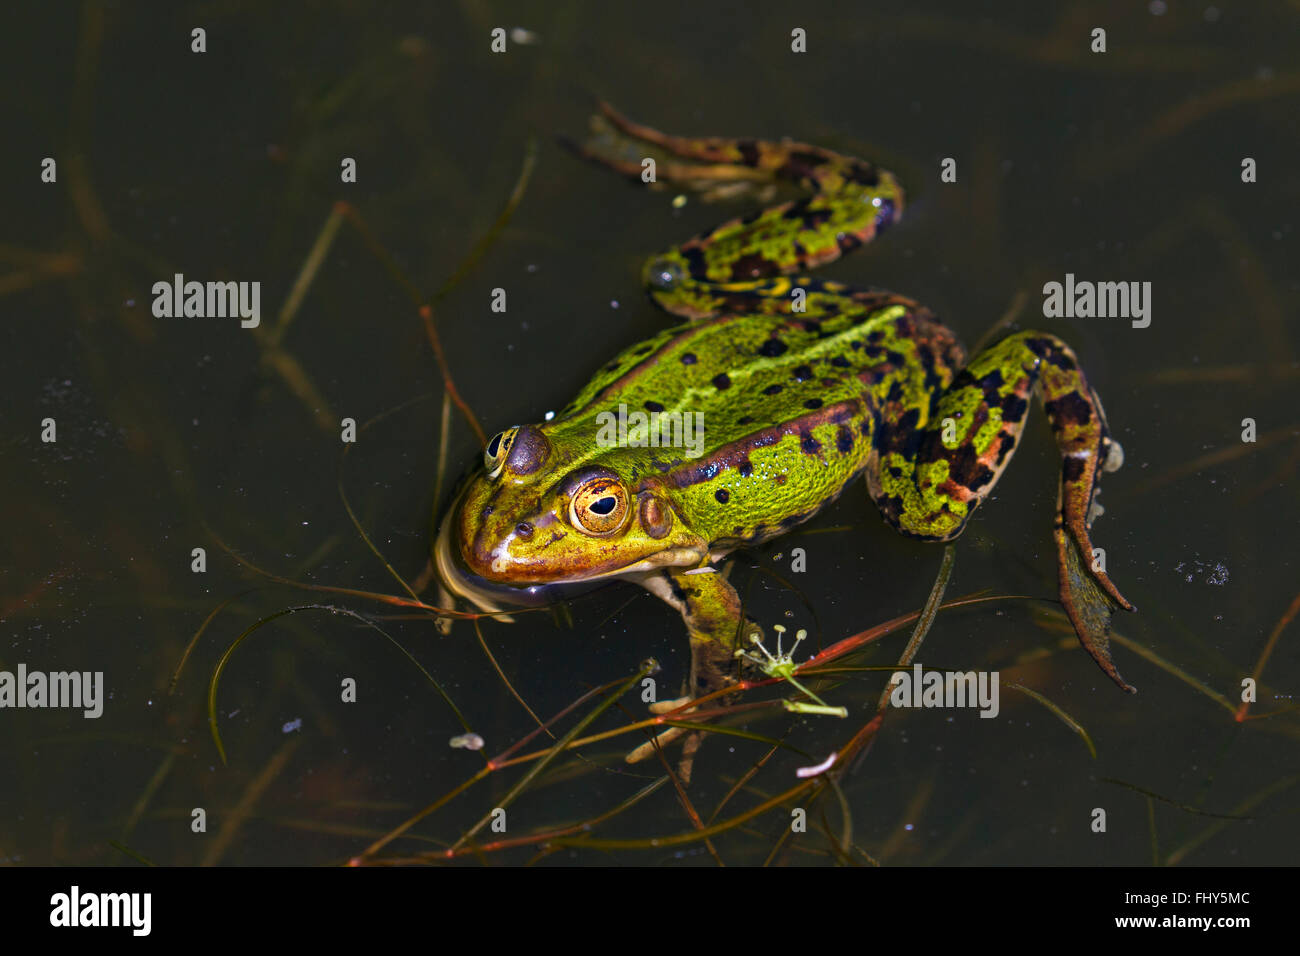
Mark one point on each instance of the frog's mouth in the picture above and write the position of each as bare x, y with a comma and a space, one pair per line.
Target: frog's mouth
494, 597
487, 595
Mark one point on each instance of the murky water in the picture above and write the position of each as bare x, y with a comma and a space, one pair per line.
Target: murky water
183, 433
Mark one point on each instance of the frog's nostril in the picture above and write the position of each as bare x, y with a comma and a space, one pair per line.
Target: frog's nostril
524, 530
664, 274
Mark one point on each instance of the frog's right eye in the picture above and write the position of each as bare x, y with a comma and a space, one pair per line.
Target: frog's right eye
494, 455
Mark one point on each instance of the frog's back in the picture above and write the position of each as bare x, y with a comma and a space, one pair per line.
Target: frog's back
788, 405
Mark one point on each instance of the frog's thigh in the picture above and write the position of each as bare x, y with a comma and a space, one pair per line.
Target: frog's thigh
710, 607
928, 481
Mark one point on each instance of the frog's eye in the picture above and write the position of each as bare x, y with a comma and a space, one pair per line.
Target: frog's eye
599, 507
494, 455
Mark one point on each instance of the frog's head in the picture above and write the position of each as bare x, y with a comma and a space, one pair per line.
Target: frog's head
537, 519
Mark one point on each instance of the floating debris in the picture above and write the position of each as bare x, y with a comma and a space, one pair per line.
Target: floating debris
1214, 573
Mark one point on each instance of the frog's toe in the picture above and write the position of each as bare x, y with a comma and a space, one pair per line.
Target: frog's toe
648, 748
664, 706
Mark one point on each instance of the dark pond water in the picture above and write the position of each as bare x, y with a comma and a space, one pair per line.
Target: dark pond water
183, 433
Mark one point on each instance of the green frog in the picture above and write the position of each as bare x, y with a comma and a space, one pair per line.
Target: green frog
802, 384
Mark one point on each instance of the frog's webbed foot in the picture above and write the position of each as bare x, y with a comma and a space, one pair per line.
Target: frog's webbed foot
712, 167
847, 202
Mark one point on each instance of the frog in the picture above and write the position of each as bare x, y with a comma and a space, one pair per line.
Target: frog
803, 385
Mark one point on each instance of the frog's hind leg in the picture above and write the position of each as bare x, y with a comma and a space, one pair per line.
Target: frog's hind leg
850, 201
932, 474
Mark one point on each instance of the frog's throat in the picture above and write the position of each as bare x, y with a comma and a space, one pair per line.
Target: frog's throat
491, 596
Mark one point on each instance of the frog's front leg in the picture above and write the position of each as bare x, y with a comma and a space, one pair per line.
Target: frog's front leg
710, 607
937, 462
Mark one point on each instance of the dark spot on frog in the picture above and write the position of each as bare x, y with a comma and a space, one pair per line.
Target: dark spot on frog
487, 510
751, 266
1072, 468
840, 361
1061, 360
748, 150
773, 348
864, 174
1004, 449
891, 506
799, 164
745, 467
772, 390
688, 358
744, 420
895, 392
802, 373
679, 593
1071, 409
721, 381
901, 436
813, 403
808, 444
829, 382
653, 406
611, 367
844, 439
1013, 408
965, 468
722, 495
645, 349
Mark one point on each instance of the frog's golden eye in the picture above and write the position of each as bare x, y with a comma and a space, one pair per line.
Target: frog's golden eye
599, 507
494, 455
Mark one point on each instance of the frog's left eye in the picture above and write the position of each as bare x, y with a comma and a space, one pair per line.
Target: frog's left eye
494, 455
599, 507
